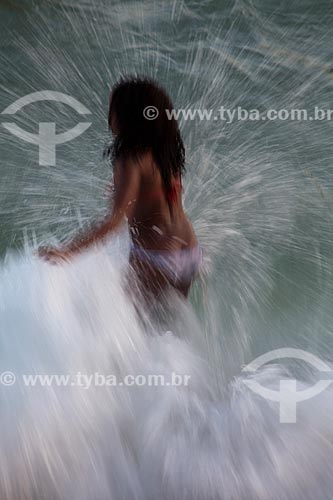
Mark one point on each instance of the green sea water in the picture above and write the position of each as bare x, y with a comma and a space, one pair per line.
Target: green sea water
259, 193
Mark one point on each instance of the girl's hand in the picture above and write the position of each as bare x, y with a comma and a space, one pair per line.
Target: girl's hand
54, 255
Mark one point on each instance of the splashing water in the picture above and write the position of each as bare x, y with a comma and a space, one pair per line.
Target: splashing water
259, 195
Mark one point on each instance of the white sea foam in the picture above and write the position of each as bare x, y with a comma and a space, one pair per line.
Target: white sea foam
137, 442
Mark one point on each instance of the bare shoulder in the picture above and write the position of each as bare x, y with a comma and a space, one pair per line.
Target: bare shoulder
146, 162
126, 166
140, 163
126, 171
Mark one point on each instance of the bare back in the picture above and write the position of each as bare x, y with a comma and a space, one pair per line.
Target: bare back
153, 224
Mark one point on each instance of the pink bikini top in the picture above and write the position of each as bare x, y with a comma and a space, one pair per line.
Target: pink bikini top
176, 187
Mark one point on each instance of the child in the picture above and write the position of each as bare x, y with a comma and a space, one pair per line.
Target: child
148, 161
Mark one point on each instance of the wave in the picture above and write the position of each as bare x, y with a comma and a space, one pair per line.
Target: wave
138, 442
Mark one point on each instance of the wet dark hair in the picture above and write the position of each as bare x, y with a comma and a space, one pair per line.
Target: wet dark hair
137, 134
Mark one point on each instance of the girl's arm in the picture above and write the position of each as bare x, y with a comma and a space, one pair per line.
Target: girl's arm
127, 182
